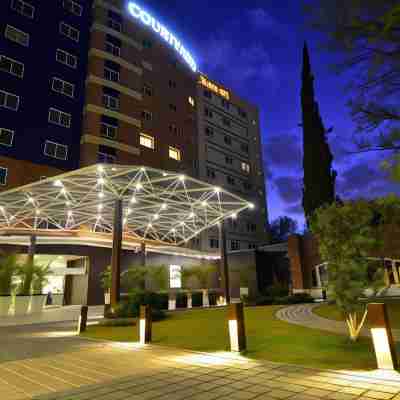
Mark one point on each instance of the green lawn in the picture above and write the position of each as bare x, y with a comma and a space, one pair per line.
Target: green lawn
332, 312
268, 338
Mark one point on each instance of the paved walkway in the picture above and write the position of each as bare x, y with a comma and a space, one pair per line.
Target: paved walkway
49, 362
303, 315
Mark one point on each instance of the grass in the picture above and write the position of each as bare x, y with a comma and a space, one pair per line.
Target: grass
268, 338
330, 311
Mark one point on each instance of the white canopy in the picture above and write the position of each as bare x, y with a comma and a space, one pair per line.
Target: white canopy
158, 206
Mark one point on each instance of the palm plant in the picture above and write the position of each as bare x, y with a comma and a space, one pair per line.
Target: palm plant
40, 278
26, 272
8, 269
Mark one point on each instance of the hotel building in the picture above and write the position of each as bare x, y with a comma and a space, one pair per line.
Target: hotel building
86, 82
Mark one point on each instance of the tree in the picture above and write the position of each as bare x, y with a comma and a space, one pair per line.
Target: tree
8, 269
319, 178
281, 228
159, 276
40, 278
366, 34
202, 273
348, 234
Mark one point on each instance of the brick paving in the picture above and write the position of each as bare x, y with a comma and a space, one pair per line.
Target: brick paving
50, 362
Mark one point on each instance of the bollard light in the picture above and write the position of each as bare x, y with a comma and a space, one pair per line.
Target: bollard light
82, 322
237, 333
382, 336
145, 322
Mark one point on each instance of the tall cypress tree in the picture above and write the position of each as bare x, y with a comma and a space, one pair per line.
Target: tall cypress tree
319, 177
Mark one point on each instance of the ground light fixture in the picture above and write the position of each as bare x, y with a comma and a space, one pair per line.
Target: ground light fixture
237, 334
382, 336
145, 324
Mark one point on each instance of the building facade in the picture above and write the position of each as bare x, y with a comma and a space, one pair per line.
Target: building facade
102, 81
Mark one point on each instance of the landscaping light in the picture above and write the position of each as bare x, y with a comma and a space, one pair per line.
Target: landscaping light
145, 323
382, 336
236, 327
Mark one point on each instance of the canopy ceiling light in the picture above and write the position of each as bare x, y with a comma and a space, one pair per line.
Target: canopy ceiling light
160, 206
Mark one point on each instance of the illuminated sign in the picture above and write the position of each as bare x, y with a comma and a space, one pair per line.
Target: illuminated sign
148, 20
214, 88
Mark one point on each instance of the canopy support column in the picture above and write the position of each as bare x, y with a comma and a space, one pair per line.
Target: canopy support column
32, 248
116, 254
224, 267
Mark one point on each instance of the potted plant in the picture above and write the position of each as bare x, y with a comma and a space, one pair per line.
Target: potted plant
23, 297
39, 280
105, 278
8, 268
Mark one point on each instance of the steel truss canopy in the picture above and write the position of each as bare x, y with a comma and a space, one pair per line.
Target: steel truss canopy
158, 206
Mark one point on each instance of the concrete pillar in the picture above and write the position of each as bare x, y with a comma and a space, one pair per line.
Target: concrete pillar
318, 276
116, 254
143, 254
32, 248
224, 267
206, 299
189, 300
172, 301
395, 273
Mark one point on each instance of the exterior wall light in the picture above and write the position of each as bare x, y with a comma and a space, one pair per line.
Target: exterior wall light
382, 337
145, 325
237, 333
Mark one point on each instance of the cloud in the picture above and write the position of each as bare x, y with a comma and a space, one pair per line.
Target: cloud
289, 188
296, 209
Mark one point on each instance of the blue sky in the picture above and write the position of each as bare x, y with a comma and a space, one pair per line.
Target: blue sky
255, 47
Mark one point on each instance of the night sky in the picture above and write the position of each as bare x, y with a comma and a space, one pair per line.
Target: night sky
255, 48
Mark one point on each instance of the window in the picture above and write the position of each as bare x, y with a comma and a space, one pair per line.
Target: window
235, 245
210, 173
230, 180
66, 58
60, 118
23, 8
63, 87
11, 66
228, 140
172, 107
214, 243
147, 115
69, 31
111, 71
6, 137
147, 44
175, 276
172, 84
105, 158
209, 131
173, 129
3, 176
55, 150
245, 167
73, 7
113, 49
252, 246
251, 227
208, 113
244, 147
229, 160
192, 101
225, 104
17, 36
108, 131
174, 153
9, 100
147, 141
207, 94
147, 90
226, 121
111, 99
247, 186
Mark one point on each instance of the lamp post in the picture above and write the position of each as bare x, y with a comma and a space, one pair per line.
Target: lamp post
237, 334
382, 336
145, 325
224, 268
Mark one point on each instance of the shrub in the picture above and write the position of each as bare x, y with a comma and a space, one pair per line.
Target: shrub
276, 291
299, 298
129, 307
